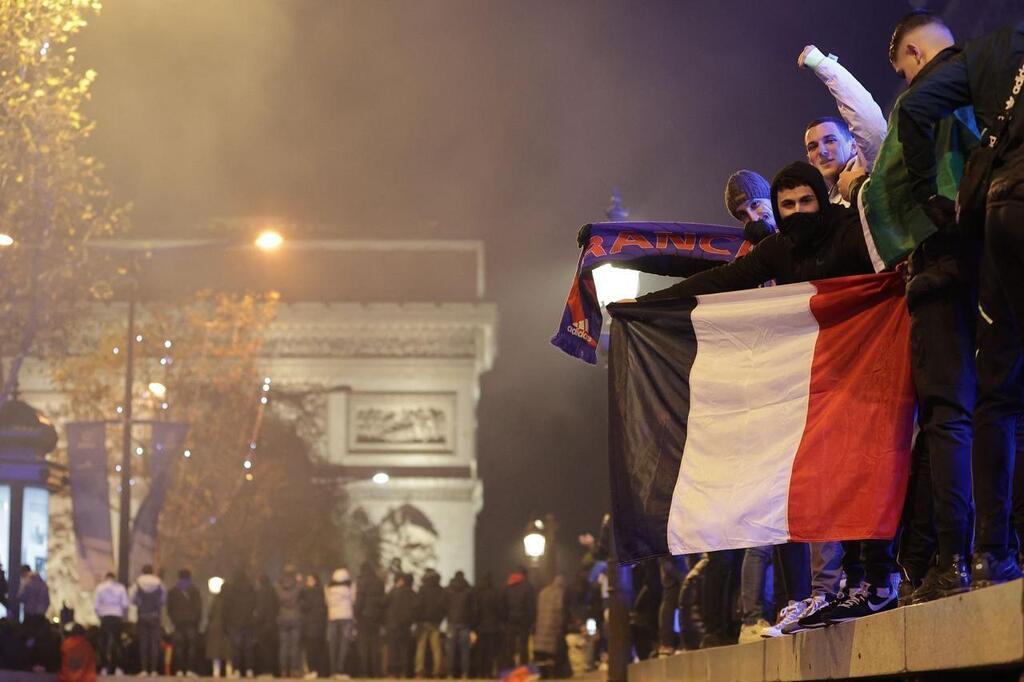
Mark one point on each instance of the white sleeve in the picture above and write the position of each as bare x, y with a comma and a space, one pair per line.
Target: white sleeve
857, 107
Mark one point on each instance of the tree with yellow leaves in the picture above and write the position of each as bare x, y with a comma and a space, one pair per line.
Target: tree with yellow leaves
53, 200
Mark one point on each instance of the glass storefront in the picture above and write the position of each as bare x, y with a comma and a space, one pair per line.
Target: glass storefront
35, 529
5, 532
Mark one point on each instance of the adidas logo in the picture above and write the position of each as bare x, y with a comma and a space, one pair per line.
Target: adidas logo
581, 329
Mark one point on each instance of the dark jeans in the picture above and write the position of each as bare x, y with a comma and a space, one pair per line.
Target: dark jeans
316, 654
458, 650
148, 632
289, 653
720, 588
794, 569
487, 644
368, 643
756, 561
517, 639
673, 570
1000, 402
243, 647
110, 654
339, 635
942, 299
186, 647
870, 560
398, 653
917, 533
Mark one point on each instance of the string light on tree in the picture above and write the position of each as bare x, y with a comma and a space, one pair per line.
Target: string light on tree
167, 343
187, 454
138, 338
247, 464
116, 350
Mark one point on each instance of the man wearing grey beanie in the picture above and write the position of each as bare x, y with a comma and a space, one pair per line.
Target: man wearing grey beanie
748, 200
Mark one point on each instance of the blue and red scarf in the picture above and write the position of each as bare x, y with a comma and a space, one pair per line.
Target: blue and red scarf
673, 249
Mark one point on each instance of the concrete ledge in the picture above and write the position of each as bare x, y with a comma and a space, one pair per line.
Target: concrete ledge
980, 629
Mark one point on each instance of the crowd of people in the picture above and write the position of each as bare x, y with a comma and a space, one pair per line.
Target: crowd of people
379, 624
964, 512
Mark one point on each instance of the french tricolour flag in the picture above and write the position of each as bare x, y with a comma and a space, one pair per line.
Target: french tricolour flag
759, 417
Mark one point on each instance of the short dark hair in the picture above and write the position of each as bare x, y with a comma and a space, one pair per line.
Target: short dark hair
147, 569
791, 182
843, 126
185, 574
909, 22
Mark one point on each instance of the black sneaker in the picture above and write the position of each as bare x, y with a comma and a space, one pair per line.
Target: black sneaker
907, 588
816, 615
866, 602
988, 569
943, 581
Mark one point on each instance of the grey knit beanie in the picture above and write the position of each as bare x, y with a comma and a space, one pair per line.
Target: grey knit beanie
743, 186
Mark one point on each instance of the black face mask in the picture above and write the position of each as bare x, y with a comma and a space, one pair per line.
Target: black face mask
756, 230
802, 228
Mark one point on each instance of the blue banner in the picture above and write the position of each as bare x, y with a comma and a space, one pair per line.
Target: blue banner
90, 500
168, 441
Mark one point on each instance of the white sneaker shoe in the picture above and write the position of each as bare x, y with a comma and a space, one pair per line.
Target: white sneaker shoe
789, 614
753, 632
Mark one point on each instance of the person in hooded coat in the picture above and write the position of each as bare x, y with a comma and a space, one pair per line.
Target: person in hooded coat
816, 240
369, 612
148, 595
518, 614
487, 607
314, 625
461, 618
185, 609
267, 607
240, 621
400, 612
341, 598
431, 608
289, 623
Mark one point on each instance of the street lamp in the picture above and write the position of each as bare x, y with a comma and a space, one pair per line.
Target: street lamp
534, 541
6, 240
615, 284
269, 240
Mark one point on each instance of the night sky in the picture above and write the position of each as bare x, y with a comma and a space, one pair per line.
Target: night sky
508, 122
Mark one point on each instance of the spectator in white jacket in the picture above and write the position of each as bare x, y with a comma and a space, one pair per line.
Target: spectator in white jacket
111, 603
852, 142
341, 598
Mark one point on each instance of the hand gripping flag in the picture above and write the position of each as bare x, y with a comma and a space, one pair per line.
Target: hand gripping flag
675, 249
759, 417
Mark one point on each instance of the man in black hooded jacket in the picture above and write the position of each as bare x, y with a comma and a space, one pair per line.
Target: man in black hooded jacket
816, 240
987, 74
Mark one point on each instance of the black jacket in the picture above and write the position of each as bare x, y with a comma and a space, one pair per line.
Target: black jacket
980, 75
518, 604
836, 250
431, 602
401, 609
461, 603
488, 609
184, 606
313, 607
370, 602
239, 605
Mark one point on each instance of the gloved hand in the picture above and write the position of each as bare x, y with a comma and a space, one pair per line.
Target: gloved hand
583, 236
942, 212
756, 230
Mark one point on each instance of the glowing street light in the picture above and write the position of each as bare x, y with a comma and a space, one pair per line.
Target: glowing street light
534, 541
380, 478
614, 284
158, 389
6, 240
269, 240
214, 584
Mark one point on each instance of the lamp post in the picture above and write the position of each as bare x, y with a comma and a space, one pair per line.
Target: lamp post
267, 241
